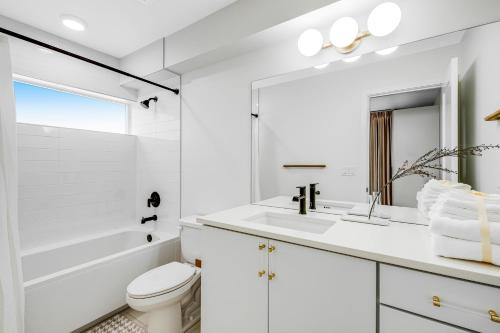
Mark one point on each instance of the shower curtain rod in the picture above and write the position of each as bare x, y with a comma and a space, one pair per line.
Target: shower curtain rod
76, 56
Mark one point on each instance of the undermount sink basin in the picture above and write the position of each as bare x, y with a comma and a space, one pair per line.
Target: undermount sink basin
312, 224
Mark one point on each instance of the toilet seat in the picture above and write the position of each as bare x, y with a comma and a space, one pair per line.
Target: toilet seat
161, 280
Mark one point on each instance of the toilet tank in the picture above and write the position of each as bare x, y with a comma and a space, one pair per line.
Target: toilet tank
190, 238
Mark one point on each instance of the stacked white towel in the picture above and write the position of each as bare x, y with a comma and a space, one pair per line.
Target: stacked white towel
431, 191
456, 226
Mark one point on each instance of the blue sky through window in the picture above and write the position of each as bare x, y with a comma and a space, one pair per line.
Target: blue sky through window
45, 106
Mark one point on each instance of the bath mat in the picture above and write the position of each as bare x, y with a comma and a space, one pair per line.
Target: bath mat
120, 323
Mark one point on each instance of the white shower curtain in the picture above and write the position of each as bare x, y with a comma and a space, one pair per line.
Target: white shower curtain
11, 286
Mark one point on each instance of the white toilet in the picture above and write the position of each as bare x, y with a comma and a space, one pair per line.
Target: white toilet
161, 290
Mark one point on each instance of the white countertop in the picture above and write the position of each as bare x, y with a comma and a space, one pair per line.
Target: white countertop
401, 244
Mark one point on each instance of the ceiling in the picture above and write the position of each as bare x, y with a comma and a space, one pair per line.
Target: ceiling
406, 100
114, 27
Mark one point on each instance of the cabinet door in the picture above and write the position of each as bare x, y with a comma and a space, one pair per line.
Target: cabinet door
395, 321
319, 291
234, 295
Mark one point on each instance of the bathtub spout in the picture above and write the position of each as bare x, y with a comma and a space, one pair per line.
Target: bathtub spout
151, 218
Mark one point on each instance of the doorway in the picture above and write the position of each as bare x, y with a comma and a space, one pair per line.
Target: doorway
403, 126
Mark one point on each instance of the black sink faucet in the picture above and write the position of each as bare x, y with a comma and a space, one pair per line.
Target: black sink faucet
147, 219
312, 195
301, 198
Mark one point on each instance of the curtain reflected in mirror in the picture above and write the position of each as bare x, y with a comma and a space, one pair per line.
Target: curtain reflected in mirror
380, 154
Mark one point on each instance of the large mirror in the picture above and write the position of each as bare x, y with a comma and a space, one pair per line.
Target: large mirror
350, 124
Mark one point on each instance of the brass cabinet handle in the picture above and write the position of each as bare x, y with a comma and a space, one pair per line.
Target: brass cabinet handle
493, 316
272, 248
262, 246
261, 273
271, 276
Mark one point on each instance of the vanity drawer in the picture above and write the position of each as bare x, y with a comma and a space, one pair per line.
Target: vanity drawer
462, 303
395, 321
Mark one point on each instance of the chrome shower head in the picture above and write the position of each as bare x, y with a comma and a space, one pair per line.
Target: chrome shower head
145, 103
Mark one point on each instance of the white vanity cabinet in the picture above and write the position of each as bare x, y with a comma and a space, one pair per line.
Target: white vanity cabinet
319, 291
397, 321
234, 282
252, 284
457, 303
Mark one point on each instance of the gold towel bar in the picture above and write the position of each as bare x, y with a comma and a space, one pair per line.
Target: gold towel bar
318, 166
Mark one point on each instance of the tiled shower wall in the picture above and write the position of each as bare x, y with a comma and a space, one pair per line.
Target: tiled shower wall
158, 156
73, 183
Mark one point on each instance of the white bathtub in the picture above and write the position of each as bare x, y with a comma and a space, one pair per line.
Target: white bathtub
71, 284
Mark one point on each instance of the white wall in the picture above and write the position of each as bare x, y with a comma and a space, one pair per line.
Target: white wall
479, 72
414, 132
73, 183
158, 155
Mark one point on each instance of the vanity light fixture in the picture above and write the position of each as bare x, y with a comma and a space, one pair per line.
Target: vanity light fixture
344, 32
384, 19
387, 51
351, 59
322, 66
310, 42
73, 22
345, 36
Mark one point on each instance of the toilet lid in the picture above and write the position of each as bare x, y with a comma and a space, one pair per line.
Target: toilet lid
161, 280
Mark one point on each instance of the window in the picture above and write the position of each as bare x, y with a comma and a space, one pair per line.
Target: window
45, 106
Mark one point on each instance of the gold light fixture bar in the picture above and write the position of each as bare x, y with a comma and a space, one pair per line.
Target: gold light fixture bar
494, 116
349, 48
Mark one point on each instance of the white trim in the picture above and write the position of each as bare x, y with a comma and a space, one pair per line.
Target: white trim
68, 89
404, 90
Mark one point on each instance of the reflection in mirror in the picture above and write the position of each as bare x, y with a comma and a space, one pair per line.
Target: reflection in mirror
350, 125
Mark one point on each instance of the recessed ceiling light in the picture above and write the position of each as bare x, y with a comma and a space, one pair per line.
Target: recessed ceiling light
73, 22
387, 51
352, 59
322, 66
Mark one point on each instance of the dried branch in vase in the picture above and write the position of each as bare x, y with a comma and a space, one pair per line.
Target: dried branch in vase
429, 164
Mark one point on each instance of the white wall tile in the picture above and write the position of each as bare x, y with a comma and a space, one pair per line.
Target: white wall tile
73, 183
158, 158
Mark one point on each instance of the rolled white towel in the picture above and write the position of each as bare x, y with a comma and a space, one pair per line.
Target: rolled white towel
493, 199
446, 206
463, 229
471, 204
463, 249
461, 214
432, 191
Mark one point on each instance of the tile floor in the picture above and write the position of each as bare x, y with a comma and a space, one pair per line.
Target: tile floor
141, 317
